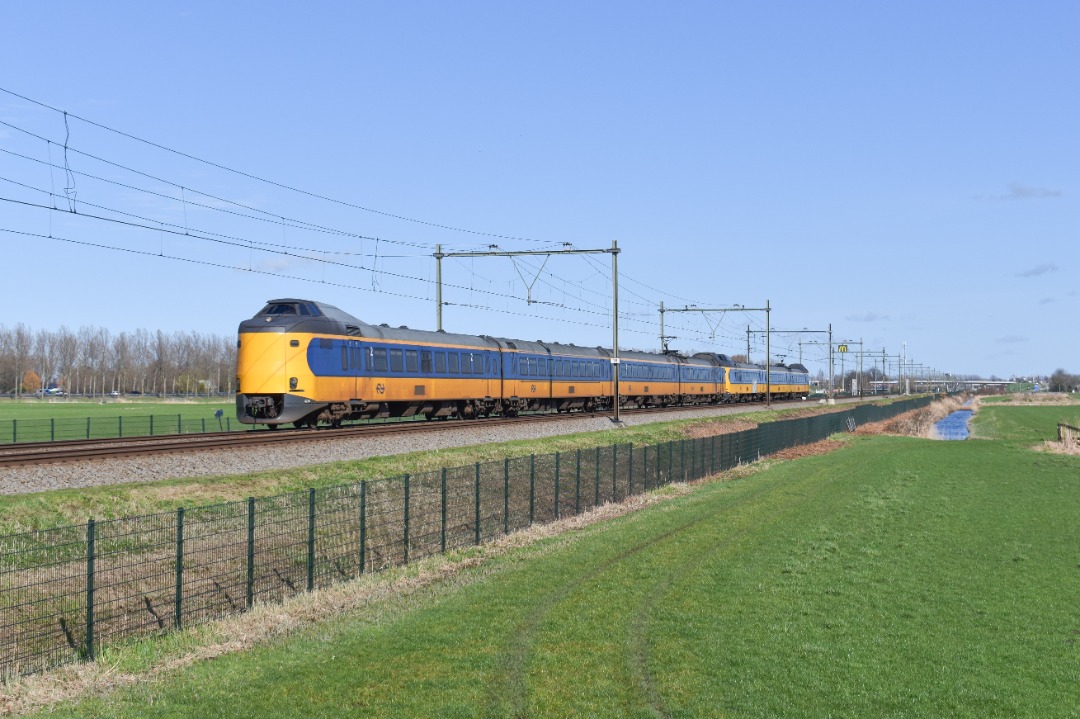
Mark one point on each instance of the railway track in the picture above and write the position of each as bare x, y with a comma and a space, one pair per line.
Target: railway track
100, 449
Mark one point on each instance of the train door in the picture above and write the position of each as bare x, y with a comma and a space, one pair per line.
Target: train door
352, 363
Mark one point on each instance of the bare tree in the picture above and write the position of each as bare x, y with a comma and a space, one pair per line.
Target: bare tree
94, 361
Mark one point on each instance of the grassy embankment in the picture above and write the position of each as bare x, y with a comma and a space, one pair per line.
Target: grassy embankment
895, 577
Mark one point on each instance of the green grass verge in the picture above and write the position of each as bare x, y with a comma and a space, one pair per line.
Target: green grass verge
896, 577
1023, 424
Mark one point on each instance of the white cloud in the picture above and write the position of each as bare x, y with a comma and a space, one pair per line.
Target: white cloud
1020, 191
868, 316
1042, 269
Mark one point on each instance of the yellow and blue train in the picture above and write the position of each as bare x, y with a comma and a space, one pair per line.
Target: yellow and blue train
309, 363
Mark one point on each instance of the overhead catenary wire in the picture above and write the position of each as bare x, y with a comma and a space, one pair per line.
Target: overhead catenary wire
576, 296
257, 178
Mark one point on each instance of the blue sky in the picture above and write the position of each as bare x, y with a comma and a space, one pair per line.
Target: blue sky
904, 171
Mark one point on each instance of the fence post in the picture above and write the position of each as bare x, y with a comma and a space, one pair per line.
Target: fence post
645, 471
557, 457
88, 428
630, 474
363, 523
120, 425
577, 486
90, 551
177, 622
52, 429
406, 538
532, 488
693, 459
505, 497
251, 552
670, 461
597, 466
311, 540
179, 428
478, 503
614, 470
442, 541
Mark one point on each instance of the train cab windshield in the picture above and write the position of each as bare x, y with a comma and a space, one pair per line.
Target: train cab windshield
295, 309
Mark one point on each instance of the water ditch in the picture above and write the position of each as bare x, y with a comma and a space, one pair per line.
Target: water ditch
955, 426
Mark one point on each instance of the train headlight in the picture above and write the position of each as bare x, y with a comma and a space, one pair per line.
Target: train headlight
293, 382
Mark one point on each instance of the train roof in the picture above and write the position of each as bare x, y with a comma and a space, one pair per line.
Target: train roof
721, 360
299, 315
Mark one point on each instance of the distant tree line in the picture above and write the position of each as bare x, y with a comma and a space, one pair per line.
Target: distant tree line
93, 361
1062, 381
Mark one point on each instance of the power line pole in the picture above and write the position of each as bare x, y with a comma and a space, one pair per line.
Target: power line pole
737, 308
614, 252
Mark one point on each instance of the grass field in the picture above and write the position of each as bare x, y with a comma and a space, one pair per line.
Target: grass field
1024, 424
894, 577
67, 418
68, 408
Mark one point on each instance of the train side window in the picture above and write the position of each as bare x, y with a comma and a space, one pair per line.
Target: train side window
425, 361
397, 360
326, 344
440, 362
479, 363
454, 363
378, 359
412, 361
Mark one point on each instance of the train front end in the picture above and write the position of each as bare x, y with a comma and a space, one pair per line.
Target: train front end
272, 370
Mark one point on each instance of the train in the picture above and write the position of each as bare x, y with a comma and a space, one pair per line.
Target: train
310, 364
